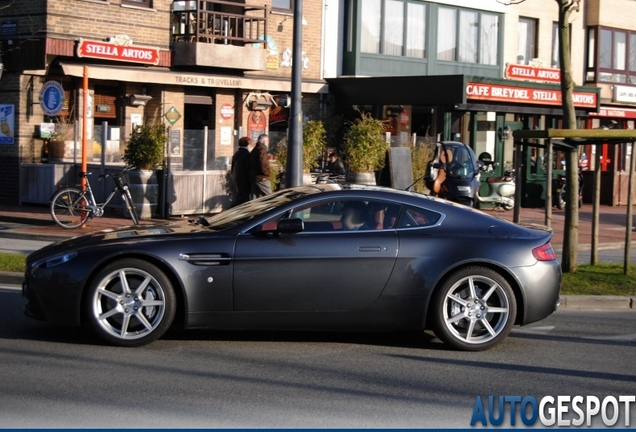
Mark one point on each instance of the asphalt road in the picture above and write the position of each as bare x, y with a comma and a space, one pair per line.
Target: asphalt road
22, 246
59, 377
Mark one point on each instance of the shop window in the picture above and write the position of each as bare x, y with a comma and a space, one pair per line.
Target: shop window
554, 59
371, 13
467, 36
416, 30
394, 27
527, 40
611, 56
104, 101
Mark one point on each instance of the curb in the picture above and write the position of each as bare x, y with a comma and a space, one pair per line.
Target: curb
11, 278
587, 302
33, 236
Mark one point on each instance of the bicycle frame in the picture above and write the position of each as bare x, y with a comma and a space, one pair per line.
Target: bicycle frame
84, 205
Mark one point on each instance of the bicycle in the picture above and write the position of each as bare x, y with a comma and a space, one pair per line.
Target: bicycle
71, 206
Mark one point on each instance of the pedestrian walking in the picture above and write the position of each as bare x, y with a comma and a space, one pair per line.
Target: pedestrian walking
241, 171
260, 170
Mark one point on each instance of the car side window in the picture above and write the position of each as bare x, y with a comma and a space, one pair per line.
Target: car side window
412, 217
348, 215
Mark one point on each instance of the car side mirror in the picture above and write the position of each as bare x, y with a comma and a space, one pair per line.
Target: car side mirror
290, 226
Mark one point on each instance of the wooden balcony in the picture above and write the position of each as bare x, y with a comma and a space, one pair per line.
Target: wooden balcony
219, 34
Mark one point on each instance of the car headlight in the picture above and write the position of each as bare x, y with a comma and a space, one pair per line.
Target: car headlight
56, 260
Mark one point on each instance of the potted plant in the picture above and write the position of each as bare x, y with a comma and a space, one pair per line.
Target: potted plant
145, 148
144, 153
365, 148
314, 141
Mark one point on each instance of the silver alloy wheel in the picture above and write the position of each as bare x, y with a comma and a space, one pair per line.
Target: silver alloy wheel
129, 303
476, 309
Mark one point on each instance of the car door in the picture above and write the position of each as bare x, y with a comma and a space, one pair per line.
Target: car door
323, 268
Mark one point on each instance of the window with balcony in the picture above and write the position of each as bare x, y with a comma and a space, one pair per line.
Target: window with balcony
611, 56
527, 40
467, 36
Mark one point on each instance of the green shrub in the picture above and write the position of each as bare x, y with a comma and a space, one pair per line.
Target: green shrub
145, 148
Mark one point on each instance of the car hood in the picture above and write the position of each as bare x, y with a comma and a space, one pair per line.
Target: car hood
123, 235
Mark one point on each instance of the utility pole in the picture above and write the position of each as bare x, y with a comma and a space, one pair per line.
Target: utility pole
294, 168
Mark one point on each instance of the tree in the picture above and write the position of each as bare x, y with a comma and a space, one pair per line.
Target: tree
571, 236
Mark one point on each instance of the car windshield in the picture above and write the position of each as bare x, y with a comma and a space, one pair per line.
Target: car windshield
242, 213
458, 159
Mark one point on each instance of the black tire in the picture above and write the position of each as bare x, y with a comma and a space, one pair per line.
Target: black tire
474, 309
133, 313
560, 201
130, 206
69, 208
508, 207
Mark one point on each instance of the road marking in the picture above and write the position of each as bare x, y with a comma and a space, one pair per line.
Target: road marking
10, 288
534, 330
627, 337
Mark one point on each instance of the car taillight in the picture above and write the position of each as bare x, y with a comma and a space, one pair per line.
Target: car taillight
544, 253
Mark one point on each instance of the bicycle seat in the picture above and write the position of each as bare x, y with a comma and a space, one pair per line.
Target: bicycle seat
84, 174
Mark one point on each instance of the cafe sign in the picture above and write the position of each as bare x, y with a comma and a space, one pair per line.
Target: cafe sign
526, 95
117, 52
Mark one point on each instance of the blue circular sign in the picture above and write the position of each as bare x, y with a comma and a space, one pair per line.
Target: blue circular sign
52, 98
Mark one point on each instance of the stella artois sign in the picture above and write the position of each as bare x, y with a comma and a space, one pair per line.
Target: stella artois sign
530, 73
119, 48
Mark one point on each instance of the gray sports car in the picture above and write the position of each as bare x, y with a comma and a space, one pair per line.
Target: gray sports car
322, 257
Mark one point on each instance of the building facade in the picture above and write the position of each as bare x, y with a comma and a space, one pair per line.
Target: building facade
476, 71
211, 71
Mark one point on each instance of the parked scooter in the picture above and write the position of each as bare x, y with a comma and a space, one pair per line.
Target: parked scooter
502, 189
454, 173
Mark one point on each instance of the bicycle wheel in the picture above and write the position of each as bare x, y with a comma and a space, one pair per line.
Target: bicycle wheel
128, 202
69, 208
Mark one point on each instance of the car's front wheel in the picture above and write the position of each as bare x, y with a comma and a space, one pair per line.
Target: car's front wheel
130, 303
474, 310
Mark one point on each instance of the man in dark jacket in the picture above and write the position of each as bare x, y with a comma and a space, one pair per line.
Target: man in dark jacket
241, 171
334, 165
259, 165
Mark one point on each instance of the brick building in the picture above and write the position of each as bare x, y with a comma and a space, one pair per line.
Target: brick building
209, 70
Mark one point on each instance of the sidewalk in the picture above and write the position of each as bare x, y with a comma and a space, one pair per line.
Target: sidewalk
33, 222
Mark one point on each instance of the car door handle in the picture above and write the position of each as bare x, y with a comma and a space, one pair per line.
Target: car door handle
370, 249
205, 259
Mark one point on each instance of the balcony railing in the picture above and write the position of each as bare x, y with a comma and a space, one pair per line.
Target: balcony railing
219, 22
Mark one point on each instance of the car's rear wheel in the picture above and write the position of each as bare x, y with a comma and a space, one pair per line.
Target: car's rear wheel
131, 303
474, 310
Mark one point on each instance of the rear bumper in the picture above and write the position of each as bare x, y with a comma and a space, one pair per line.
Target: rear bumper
541, 286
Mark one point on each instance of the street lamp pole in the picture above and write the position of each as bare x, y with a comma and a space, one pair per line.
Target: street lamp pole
293, 176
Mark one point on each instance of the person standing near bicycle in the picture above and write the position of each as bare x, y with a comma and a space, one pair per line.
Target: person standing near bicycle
241, 170
259, 168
